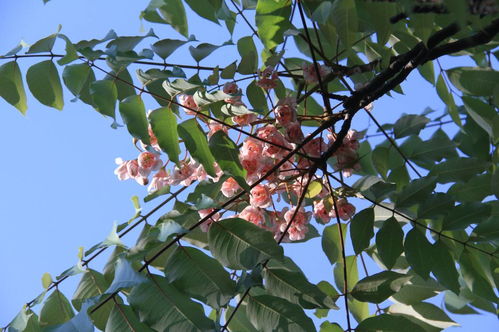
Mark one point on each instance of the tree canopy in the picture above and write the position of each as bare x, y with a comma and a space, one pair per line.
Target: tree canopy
265, 150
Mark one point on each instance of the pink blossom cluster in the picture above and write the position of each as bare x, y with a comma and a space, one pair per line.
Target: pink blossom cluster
259, 155
310, 73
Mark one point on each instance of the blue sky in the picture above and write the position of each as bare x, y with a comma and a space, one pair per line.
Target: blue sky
58, 187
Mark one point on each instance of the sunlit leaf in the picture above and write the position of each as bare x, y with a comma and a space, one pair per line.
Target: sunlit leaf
11, 86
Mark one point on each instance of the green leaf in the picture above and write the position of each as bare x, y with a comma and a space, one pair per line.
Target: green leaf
444, 267
45, 85
417, 290
133, 112
204, 49
197, 145
256, 96
44, 45
379, 287
466, 214
124, 276
344, 19
229, 71
379, 16
474, 276
388, 323
331, 243
128, 43
165, 47
409, 124
484, 115
425, 153
226, 154
11, 86
270, 313
46, 280
56, 309
458, 169
104, 96
79, 323
205, 9
239, 321
272, 20
389, 242
435, 205
200, 276
162, 307
239, 244
418, 252
427, 315
93, 284
415, 192
122, 79
380, 159
362, 230
474, 80
77, 79
70, 55
124, 319
249, 56
294, 287
25, 321
170, 12
446, 97
427, 71
164, 127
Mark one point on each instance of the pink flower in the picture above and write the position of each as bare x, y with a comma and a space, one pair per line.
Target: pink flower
159, 181
298, 227
122, 170
315, 147
260, 196
268, 78
285, 115
320, 212
148, 162
182, 175
253, 215
205, 226
244, 119
251, 149
266, 132
310, 73
231, 88
215, 126
345, 209
187, 101
294, 134
274, 150
230, 187
347, 161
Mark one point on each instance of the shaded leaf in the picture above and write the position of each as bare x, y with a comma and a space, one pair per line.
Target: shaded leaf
362, 229
56, 309
270, 313
409, 124
197, 145
239, 244
379, 287
162, 307
389, 242
133, 112
226, 154
418, 252
444, 267
200, 276
164, 127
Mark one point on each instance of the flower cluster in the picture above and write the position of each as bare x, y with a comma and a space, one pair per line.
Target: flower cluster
259, 155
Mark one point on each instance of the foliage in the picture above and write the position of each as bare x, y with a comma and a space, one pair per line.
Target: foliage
431, 219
